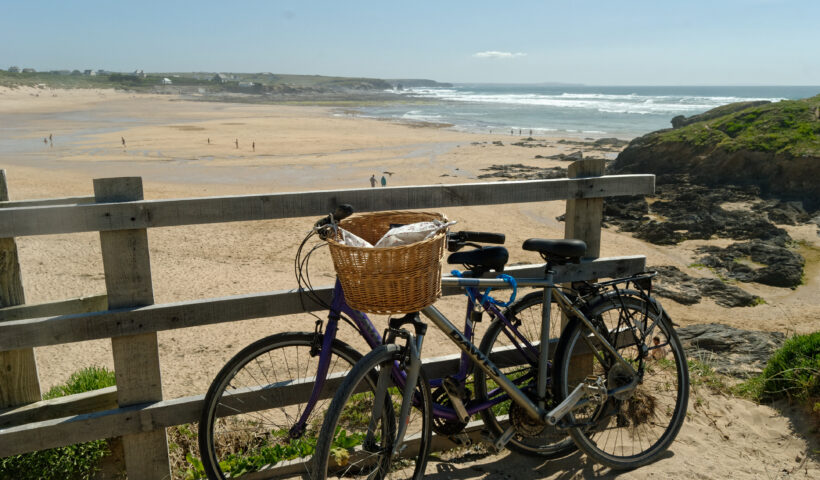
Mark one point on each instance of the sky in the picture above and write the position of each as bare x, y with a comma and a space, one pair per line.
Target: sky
594, 42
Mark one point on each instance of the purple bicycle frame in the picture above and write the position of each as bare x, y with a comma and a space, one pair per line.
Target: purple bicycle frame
374, 339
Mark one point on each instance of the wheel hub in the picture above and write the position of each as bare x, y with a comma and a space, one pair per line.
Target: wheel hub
619, 376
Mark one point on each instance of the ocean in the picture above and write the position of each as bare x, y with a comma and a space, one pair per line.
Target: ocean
574, 111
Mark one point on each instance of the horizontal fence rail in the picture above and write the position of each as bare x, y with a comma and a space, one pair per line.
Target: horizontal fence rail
45, 220
39, 332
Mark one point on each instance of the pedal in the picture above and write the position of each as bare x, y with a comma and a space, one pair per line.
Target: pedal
455, 392
583, 390
461, 439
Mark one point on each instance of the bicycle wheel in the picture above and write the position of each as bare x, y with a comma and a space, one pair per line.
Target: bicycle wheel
246, 426
346, 450
531, 437
632, 428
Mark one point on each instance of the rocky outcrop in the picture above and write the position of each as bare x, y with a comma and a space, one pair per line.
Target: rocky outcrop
730, 351
681, 121
775, 147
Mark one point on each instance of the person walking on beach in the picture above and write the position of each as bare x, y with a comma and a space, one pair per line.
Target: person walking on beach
253, 146
50, 140
236, 141
209, 140
123, 141
384, 181
372, 180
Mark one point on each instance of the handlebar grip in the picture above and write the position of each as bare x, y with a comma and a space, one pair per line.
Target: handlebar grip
342, 211
483, 237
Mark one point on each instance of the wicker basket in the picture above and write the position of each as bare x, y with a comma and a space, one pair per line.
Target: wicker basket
389, 280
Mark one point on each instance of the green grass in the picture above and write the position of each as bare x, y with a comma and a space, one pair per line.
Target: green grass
79, 461
793, 372
787, 127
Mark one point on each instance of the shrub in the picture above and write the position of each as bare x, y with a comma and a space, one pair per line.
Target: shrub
79, 461
793, 372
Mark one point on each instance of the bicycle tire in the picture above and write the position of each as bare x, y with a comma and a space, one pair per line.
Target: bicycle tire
348, 419
241, 444
525, 315
635, 428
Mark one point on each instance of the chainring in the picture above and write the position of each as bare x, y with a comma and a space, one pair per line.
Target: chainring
444, 426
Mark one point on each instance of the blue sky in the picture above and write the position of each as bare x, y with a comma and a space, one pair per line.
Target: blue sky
658, 42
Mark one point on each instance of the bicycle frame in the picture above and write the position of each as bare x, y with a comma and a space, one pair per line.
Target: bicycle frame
373, 338
469, 349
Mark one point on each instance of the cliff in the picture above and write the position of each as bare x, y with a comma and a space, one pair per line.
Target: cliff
775, 146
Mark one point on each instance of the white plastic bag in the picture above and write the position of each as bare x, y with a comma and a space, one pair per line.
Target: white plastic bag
412, 233
353, 240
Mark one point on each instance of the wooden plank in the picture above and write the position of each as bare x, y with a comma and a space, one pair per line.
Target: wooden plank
585, 215
19, 382
127, 269
40, 202
63, 307
40, 332
77, 404
156, 416
44, 220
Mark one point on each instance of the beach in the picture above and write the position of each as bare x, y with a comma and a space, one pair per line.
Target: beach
187, 149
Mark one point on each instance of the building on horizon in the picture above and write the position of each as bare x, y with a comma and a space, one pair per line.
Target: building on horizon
14, 69
29, 70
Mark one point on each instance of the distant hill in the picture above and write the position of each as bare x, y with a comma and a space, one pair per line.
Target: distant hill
775, 146
417, 82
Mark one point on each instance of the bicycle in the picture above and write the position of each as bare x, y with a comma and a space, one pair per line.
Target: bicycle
621, 402
246, 426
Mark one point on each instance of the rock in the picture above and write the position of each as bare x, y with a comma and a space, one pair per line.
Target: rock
730, 351
611, 142
725, 295
784, 213
673, 284
777, 265
523, 172
678, 286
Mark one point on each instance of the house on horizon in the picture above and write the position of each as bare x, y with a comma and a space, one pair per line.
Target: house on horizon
139, 73
29, 70
14, 69
220, 78
246, 84
90, 73
167, 81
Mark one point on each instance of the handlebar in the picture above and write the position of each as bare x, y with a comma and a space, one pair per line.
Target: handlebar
342, 211
457, 240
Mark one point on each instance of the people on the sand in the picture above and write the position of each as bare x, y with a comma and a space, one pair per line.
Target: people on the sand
209, 140
123, 141
236, 141
384, 181
253, 146
372, 180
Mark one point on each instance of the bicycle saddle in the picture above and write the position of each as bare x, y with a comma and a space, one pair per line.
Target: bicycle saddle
484, 258
557, 251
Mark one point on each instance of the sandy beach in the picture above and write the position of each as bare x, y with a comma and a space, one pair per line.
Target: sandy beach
192, 149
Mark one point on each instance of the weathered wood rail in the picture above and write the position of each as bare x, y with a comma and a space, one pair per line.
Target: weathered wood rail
136, 409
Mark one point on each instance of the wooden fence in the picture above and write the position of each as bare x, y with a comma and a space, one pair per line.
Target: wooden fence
135, 409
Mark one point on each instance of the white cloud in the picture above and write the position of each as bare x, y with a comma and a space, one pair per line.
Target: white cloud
494, 54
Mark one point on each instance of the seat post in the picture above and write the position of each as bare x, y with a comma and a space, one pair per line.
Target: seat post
543, 357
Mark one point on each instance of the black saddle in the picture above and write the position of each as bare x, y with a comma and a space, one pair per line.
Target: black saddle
557, 252
481, 259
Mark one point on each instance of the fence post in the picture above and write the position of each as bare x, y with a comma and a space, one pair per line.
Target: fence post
19, 383
136, 357
585, 215
583, 221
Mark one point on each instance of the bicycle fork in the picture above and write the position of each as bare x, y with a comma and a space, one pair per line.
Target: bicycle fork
412, 360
